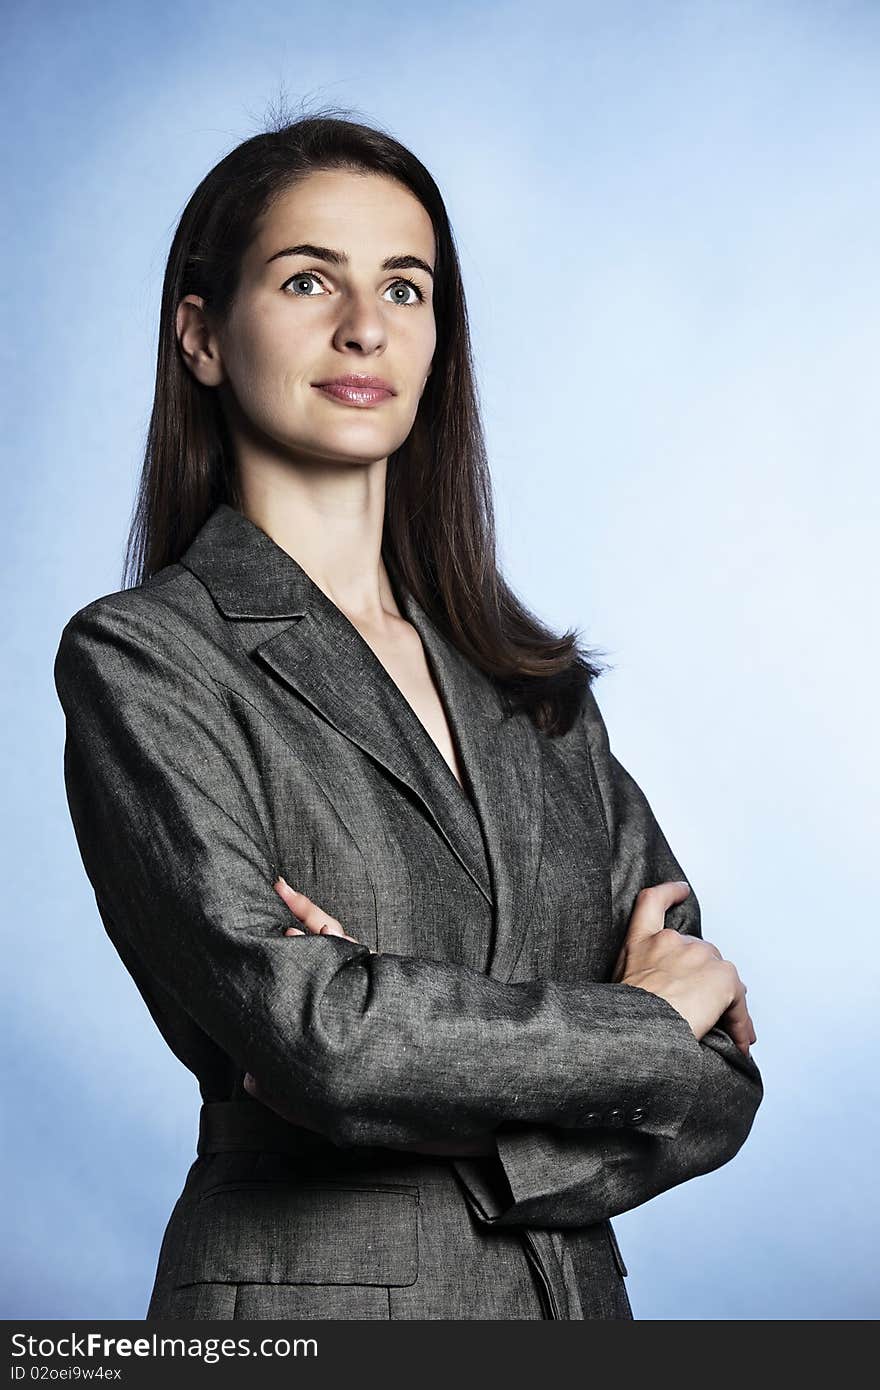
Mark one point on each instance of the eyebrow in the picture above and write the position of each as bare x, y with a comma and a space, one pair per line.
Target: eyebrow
324, 253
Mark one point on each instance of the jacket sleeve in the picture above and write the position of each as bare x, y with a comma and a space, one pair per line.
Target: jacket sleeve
176, 836
549, 1176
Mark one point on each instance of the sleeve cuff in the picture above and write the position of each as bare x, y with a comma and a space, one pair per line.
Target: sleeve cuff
538, 1170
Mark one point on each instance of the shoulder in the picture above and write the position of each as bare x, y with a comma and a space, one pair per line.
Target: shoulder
164, 607
148, 625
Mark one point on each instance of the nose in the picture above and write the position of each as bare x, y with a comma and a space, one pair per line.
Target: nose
361, 324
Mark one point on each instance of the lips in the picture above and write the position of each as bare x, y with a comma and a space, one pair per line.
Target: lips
355, 394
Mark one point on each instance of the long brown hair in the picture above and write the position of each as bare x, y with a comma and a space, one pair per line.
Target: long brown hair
439, 530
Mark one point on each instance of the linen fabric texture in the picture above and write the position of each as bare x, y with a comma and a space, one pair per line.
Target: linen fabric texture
226, 723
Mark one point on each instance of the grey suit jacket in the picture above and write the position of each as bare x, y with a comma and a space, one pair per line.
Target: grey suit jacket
227, 723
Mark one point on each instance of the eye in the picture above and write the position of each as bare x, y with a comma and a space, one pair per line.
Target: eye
408, 284
307, 275
303, 275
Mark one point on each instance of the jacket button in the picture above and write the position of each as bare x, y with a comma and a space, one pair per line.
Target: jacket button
592, 1117
615, 1117
637, 1116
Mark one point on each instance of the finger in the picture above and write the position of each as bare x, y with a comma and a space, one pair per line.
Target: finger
297, 931
737, 1022
735, 1033
309, 913
754, 1036
648, 915
287, 894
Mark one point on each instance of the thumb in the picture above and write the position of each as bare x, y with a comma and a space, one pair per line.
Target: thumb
649, 913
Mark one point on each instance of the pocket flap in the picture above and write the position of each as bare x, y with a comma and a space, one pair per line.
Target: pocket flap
288, 1233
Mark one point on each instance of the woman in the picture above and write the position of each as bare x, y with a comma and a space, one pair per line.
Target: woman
350, 811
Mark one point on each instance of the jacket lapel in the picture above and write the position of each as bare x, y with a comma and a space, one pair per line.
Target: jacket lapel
290, 625
504, 766
328, 663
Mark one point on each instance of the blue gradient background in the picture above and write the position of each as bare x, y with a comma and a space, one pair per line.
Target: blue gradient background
668, 221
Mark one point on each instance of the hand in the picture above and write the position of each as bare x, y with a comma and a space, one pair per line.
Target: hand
687, 971
320, 923
314, 918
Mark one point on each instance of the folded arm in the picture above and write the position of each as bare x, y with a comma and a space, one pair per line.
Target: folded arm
550, 1176
176, 836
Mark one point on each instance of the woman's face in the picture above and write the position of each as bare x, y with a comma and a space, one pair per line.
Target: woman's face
301, 318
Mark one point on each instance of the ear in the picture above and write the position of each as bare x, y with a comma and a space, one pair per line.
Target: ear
198, 342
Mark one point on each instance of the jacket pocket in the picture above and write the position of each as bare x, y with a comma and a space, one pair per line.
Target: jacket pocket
244, 1232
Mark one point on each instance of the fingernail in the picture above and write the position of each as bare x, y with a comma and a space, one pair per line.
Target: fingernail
280, 879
